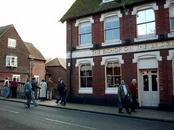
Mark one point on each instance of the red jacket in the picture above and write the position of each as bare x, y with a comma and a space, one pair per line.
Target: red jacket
133, 90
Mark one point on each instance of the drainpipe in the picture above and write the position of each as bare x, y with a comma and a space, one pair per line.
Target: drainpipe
70, 64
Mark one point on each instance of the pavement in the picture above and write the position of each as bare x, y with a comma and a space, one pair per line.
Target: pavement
146, 114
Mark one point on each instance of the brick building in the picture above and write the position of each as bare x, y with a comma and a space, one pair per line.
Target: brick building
56, 68
37, 62
121, 39
14, 62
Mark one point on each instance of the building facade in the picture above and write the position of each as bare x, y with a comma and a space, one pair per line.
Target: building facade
37, 63
110, 40
14, 63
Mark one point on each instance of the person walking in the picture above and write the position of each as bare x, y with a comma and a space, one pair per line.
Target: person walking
50, 87
123, 97
134, 94
14, 85
43, 89
58, 91
6, 90
34, 92
28, 91
63, 93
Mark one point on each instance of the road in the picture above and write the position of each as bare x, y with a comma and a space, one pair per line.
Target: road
14, 116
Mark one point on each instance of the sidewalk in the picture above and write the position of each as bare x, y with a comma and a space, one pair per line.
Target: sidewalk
147, 114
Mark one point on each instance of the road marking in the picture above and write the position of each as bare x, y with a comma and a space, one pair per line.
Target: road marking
72, 124
14, 112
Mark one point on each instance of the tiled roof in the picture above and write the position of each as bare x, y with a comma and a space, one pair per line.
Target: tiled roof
81, 8
57, 62
34, 52
3, 29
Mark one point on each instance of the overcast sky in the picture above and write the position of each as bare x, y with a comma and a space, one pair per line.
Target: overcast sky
37, 21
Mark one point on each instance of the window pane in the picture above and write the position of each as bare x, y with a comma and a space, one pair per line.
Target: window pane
89, 82
150, 15
85, 39
141, 17
83, 82
85, 28
117, 70
112, 34
154, 83
111, 22
146, 83
151, 28
141, 29
172, 11
172, 24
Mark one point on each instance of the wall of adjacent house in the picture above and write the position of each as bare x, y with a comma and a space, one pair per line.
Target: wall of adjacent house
20, 51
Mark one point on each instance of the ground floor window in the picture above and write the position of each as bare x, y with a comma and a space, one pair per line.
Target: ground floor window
18, 79
113, 75
85, 76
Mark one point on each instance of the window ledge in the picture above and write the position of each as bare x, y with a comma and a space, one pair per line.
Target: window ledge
85, 91
85, 46
171, 34
145, 38
115, 42
111, 90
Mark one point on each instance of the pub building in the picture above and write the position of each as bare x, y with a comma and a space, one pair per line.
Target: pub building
110, 40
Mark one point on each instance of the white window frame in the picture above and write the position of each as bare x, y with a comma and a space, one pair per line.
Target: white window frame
11, 64
167, 5
79, 62
77, 24
11, 43
153, 6
102, 19
105, 60
18, 77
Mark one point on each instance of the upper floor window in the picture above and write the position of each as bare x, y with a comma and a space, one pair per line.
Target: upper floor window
11, 43
171, 10
111, 29
85, 34
105, 1
145, 22
11, 61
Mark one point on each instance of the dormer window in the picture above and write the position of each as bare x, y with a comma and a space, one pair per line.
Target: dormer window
105, 1
11, 43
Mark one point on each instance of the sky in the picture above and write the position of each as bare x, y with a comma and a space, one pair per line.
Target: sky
38, 22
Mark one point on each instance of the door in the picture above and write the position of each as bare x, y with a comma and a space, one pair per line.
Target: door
150, 89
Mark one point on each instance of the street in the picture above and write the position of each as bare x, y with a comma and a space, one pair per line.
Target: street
14, 116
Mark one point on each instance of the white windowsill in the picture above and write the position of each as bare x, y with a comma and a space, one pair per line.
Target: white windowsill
171, 34
85, 46
145, 38
111, 91
115, 42
85, 91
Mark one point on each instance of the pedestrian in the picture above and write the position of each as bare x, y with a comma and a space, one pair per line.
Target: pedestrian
6, 80
134, 94
123, 97
43, 89
50, 87
28, 92
59, 91
34, 92
64, 93
14, 85
6, 90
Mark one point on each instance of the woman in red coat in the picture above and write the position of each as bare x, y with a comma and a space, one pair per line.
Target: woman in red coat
134, 93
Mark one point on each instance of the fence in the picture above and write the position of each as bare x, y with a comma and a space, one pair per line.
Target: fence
20, 89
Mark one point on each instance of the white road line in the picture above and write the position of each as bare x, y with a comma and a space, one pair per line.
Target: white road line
14, 112
72, 124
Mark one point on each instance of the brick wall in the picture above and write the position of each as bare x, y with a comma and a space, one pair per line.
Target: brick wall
21, 52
